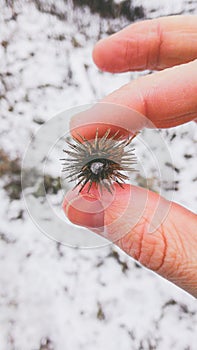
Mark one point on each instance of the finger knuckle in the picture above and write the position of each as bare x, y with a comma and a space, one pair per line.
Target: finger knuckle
148, 248
153, 249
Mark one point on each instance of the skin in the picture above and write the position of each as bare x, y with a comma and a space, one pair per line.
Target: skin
167, 98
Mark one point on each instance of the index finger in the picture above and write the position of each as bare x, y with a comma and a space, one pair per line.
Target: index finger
108, 116
162, 100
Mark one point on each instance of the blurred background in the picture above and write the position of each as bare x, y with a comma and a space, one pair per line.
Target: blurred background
53, 297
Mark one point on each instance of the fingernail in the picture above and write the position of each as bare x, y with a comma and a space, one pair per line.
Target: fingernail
85, 210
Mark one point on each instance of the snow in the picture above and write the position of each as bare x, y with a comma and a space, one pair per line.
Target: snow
53, 296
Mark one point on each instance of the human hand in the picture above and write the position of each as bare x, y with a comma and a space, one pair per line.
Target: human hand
167, 98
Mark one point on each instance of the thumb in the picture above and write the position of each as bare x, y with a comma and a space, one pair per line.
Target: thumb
160, 234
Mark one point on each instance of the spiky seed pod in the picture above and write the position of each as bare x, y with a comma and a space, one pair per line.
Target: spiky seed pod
100, 161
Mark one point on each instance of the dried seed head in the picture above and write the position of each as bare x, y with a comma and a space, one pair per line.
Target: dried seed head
101, 161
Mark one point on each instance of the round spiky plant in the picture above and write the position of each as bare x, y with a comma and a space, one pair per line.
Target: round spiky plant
102, 161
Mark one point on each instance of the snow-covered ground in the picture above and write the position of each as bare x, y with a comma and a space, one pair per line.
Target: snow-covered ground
53, 297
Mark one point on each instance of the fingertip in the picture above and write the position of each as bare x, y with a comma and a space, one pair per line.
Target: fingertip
109, 55
98, 54
115, 212
96, 209
84, 209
